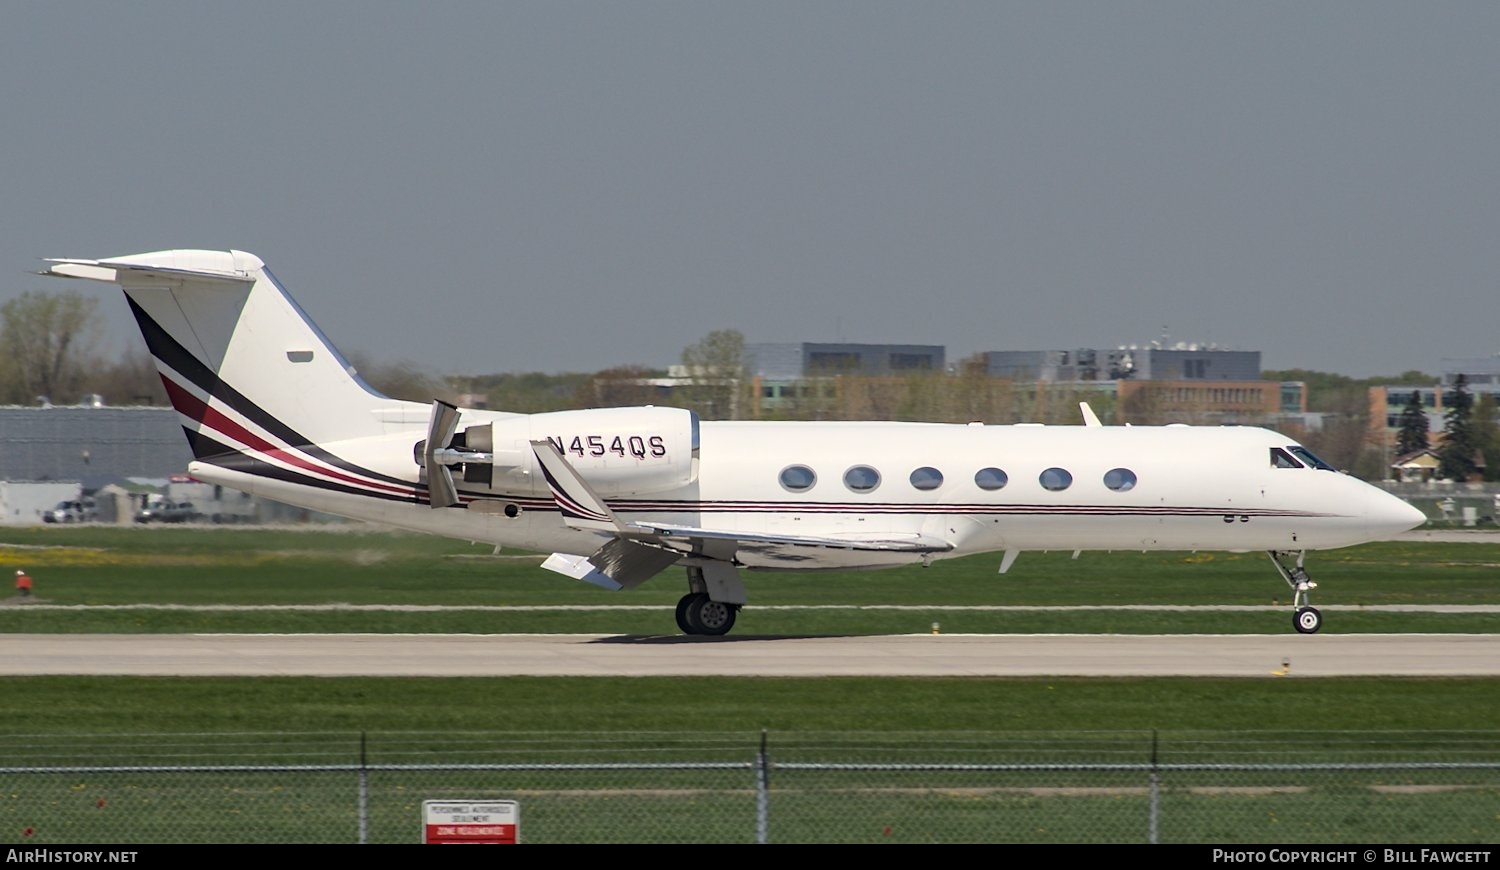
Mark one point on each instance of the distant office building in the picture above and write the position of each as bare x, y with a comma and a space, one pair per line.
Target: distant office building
1203, 402
1058, 366
1481, 373
787, 362
1183, 362
1184, 382
785, 375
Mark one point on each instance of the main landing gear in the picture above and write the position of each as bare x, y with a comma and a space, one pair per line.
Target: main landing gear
699, 614
715, 596
1305, 618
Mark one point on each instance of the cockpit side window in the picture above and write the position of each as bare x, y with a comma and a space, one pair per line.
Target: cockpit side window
1309, 457
1282, 459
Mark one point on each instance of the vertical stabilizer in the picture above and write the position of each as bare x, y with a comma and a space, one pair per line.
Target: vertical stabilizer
241, 362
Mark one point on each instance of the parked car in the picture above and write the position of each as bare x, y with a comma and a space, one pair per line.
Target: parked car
72, 511
168, 512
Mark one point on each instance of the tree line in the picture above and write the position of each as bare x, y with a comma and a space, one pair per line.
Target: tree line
51, 355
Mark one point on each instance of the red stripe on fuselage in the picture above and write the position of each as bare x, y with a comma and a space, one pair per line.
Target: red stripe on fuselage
192, 407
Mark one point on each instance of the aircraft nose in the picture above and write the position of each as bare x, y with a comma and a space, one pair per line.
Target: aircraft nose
1391, 516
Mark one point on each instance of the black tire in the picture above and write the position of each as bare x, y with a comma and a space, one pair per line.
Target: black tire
1307, 620
713, 618
682, 611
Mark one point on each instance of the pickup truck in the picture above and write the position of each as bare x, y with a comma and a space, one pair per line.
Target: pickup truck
167, 512
72, 511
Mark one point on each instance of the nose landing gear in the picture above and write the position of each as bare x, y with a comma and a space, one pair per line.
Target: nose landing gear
1305, 618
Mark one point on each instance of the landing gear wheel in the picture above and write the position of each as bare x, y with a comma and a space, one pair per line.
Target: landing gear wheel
682, 611
713, 618
1308, 620
698, 614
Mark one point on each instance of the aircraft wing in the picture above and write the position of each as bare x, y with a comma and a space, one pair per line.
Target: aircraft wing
911, 544
636, 551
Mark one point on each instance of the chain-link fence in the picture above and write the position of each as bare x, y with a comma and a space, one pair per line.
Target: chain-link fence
1221, 788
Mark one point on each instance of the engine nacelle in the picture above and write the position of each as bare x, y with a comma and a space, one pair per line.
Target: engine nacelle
619, 451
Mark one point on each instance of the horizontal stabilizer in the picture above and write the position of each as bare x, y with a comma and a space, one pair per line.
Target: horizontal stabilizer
235, 267
619, 564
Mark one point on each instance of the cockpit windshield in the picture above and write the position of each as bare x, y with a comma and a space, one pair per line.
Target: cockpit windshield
1309, 457
1297, 456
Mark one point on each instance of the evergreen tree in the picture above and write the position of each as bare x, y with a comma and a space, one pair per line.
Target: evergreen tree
1457, 453
1486, 433
1412, 435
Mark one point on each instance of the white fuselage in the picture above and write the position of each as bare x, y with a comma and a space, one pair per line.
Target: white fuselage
1193, 488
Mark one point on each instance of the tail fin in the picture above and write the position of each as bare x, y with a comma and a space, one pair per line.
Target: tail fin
239, 359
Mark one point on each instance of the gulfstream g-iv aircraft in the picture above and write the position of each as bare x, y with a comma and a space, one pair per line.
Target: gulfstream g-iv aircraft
619, 495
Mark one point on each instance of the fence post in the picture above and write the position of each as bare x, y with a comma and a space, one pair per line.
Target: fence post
1155, 789
364, 793
762, 793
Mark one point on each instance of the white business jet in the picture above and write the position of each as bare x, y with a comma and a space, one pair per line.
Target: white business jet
618, 495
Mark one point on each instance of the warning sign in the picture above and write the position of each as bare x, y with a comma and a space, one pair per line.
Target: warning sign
471, 822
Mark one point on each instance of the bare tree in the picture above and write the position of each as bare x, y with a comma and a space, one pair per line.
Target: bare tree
130, 380
404, 380
621, 387
976, 396
48, 341
715, 368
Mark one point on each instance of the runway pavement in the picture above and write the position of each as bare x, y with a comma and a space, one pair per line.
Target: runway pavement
1267, 656
1287, 655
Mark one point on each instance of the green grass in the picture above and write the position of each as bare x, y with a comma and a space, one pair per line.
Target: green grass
243, 567
165, 566
140, 705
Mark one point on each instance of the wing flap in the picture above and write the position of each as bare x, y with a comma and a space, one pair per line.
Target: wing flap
619, 564
876, 543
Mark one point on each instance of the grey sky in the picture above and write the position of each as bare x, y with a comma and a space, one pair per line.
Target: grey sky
567, 186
